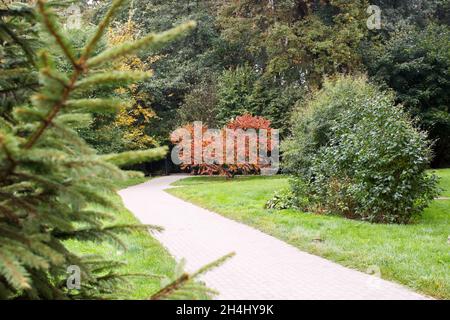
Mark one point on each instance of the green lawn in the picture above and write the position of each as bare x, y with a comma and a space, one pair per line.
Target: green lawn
144, 255
122, 184
445, 182
416, 255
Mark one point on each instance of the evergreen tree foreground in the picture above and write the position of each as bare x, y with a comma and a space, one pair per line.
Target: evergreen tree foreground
53, 186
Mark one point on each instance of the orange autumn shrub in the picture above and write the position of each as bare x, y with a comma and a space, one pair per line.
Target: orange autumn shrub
229, 166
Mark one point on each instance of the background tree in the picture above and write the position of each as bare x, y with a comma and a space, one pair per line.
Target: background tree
235, 88
200, 104
128, 130
286, 47
420, 13
416, 64
283, 38
245, 90
184, 63
17, 58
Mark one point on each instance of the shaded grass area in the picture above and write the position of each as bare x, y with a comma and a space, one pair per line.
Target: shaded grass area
144, 255
416, 255
444, 184
122, 184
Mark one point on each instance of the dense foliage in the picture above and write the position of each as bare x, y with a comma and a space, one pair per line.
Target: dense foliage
264, 57
354, 153
242, 90
283, 48
416, 64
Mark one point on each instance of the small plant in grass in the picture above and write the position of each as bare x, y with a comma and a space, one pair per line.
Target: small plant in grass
355, 153
283, 199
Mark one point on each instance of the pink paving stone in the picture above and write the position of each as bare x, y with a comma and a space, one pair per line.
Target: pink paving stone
263, 268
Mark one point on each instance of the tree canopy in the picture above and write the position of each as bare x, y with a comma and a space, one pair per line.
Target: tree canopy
265, 57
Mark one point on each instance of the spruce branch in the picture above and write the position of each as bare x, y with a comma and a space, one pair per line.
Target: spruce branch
54, 111
53, 186
11, 216
14, 273
47, 72
101, 29
179, 283
12, 197
213, 265
171, 288
23, 44
135, 157
12, 162
98, 233
51, 25
113, 77
152, 41
96, 105
6, 6
7, 152
38, 179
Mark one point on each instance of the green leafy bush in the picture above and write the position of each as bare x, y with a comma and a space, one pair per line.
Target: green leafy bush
354, 153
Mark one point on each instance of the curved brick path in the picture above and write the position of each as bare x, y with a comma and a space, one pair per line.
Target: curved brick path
263, 268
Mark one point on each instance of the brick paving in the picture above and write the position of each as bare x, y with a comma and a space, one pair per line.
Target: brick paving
263, 268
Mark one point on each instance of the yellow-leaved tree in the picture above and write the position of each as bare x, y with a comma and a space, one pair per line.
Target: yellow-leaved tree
133, 119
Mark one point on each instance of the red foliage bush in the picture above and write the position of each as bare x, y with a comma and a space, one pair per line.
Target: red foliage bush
226, 166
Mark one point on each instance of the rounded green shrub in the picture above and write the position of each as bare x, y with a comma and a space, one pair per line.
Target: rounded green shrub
355, 153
